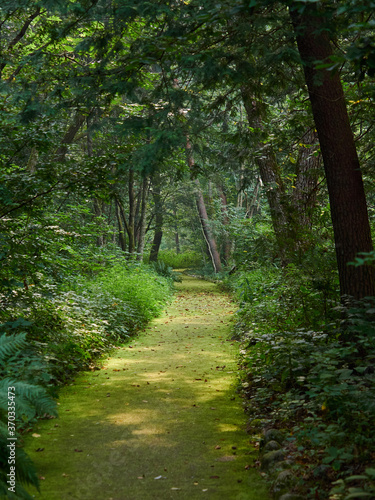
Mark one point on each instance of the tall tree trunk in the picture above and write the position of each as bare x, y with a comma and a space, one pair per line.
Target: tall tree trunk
344, 179
270, 174
132, 208
203, 217
255, 203
98, 206
141, 227
306, 181
98, 211
121, 229
207, 233
159, 219
224, 210
176, 235
69, 137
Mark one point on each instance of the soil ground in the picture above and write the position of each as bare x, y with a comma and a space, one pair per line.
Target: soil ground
160, 420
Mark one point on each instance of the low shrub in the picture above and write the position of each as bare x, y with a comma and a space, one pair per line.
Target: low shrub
275, 299
163, 270
321, 386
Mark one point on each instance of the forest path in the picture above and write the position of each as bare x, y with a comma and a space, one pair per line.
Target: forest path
161, 419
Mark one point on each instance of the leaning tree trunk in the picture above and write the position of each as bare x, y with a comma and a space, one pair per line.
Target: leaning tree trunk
270, 174
203, 217
344, 179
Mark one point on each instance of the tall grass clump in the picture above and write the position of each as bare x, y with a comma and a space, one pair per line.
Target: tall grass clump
184, 260
144, 290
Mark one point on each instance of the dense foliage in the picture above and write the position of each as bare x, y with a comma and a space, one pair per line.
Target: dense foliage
49, 333
234, 137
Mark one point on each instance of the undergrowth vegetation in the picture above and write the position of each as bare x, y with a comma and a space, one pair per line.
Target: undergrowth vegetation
48, 333
183, 260
308, 368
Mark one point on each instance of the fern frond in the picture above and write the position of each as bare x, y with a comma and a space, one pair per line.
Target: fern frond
11, 344
31, 400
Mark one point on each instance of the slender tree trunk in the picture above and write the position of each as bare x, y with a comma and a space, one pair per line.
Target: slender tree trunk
203, 217
98, 206
69, 137
344, 179
98, 211
254, 206
33, 160
159, 219
175, 224
121, 230
132, 208
270, 174
210, 240
224, 210
141, 229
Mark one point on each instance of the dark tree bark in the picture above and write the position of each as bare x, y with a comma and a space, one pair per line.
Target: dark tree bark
69, 137
344, 179
158, 207
307, 174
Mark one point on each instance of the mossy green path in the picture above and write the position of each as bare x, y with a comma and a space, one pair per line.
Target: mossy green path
160, 420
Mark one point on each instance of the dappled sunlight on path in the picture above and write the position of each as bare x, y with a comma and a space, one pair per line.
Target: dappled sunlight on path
160, 420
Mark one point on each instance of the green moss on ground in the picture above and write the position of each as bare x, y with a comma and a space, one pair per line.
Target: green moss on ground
160, 420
